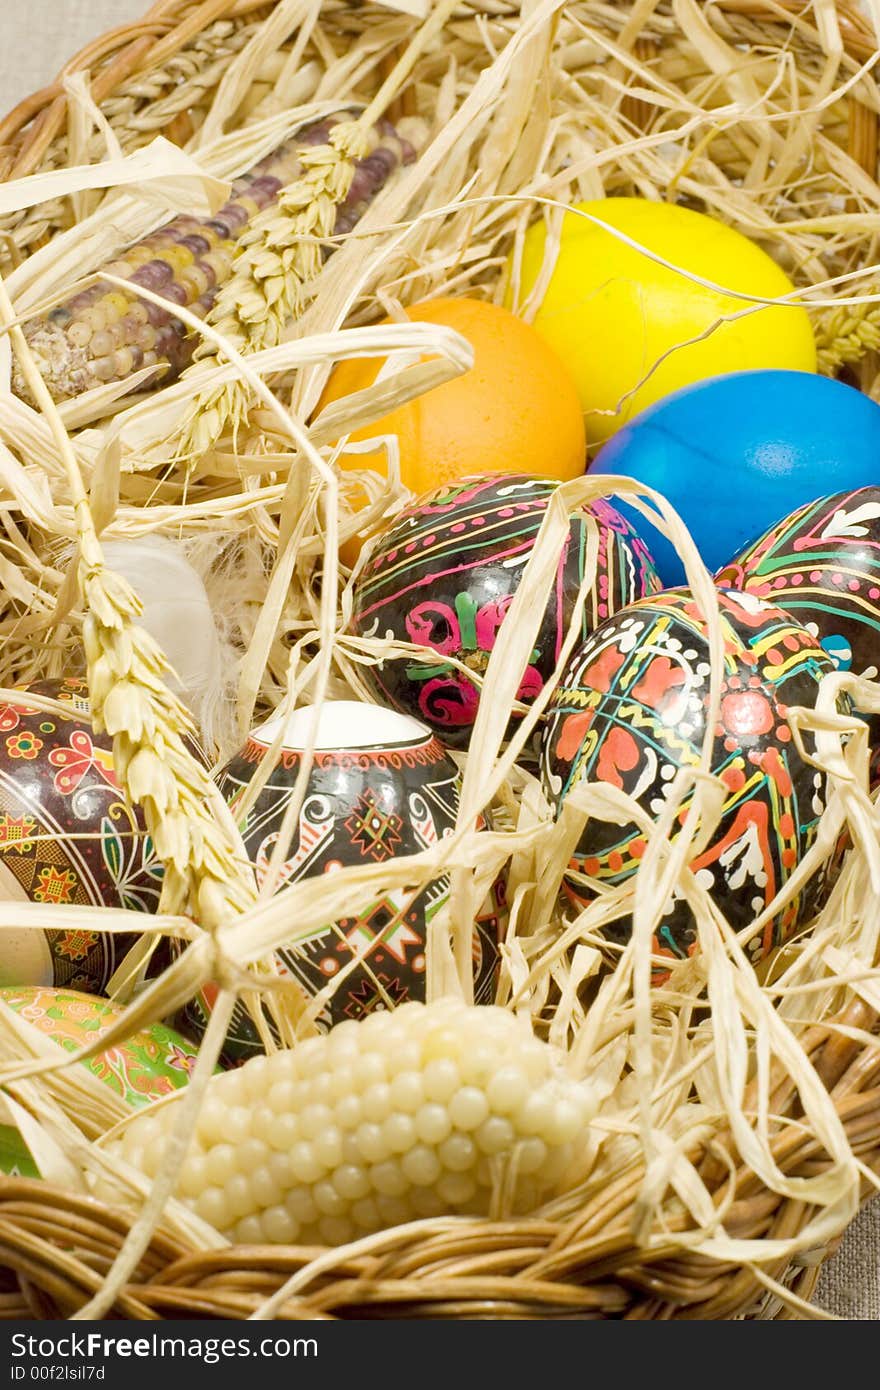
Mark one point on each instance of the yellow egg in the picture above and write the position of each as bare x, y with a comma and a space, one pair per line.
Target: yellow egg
611, 313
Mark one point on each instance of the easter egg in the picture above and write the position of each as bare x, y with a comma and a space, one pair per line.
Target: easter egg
381, 786
446, 572
631, 710
613, 314
516, 409
151, 1063
67, 836
822, 565
177, 614
735, 454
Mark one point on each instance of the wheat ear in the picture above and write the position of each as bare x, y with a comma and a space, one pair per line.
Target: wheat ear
279, 257
845, 335
207, 874
276, 260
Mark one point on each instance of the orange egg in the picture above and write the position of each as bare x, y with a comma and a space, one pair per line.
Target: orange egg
515, 411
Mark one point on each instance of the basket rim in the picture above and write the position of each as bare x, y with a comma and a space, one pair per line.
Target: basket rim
850, 1069
136, 48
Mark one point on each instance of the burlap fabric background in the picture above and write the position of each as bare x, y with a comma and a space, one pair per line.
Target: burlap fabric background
38, 36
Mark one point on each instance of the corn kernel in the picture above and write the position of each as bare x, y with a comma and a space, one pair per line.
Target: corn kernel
458, 1153
388, 1179
351, 1181
442, 1079
307, 1167
468, 1108
328, 1146
408, 1091
399, 1133
432, 1123
249, 1231
328, 1200
238, 1195
348, 1112
279, 1227
421, 1165
314, 1119
221, 1164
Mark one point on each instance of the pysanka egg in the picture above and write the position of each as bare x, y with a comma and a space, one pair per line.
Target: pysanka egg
152, 1063
67, 835
822, 565
631, 710
381, 786
446, 572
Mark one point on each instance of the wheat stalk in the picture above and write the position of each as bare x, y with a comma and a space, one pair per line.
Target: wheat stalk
280, 255
207, 874
278, 258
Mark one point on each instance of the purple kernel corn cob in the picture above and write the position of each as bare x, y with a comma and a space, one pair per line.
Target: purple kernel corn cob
104, 334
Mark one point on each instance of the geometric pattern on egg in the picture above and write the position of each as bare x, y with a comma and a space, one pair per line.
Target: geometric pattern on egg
445, 572
631, 710
381, 786
822, 564
67, 836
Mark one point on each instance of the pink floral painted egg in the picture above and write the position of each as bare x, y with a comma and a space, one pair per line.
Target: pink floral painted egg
67, 836
445, 574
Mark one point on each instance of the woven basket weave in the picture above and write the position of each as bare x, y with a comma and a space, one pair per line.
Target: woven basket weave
162, 75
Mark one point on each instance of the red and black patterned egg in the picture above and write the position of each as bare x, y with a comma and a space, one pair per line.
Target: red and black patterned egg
381, 786
67, 837
446, 572
631, 711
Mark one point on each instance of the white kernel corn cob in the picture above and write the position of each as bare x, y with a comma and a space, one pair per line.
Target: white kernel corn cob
416, 1113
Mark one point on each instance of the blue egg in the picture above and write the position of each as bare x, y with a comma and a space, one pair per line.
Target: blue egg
735, 453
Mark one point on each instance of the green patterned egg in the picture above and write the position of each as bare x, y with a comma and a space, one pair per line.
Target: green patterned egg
149, 1064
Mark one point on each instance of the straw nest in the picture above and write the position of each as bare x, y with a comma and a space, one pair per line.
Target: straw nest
740, 1118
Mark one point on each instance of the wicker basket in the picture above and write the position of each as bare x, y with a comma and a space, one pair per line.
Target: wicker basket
808, 113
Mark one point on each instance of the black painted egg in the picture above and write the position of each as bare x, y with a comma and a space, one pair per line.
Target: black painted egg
67, 836
446, 572
822, 565
381, 786
631, 710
